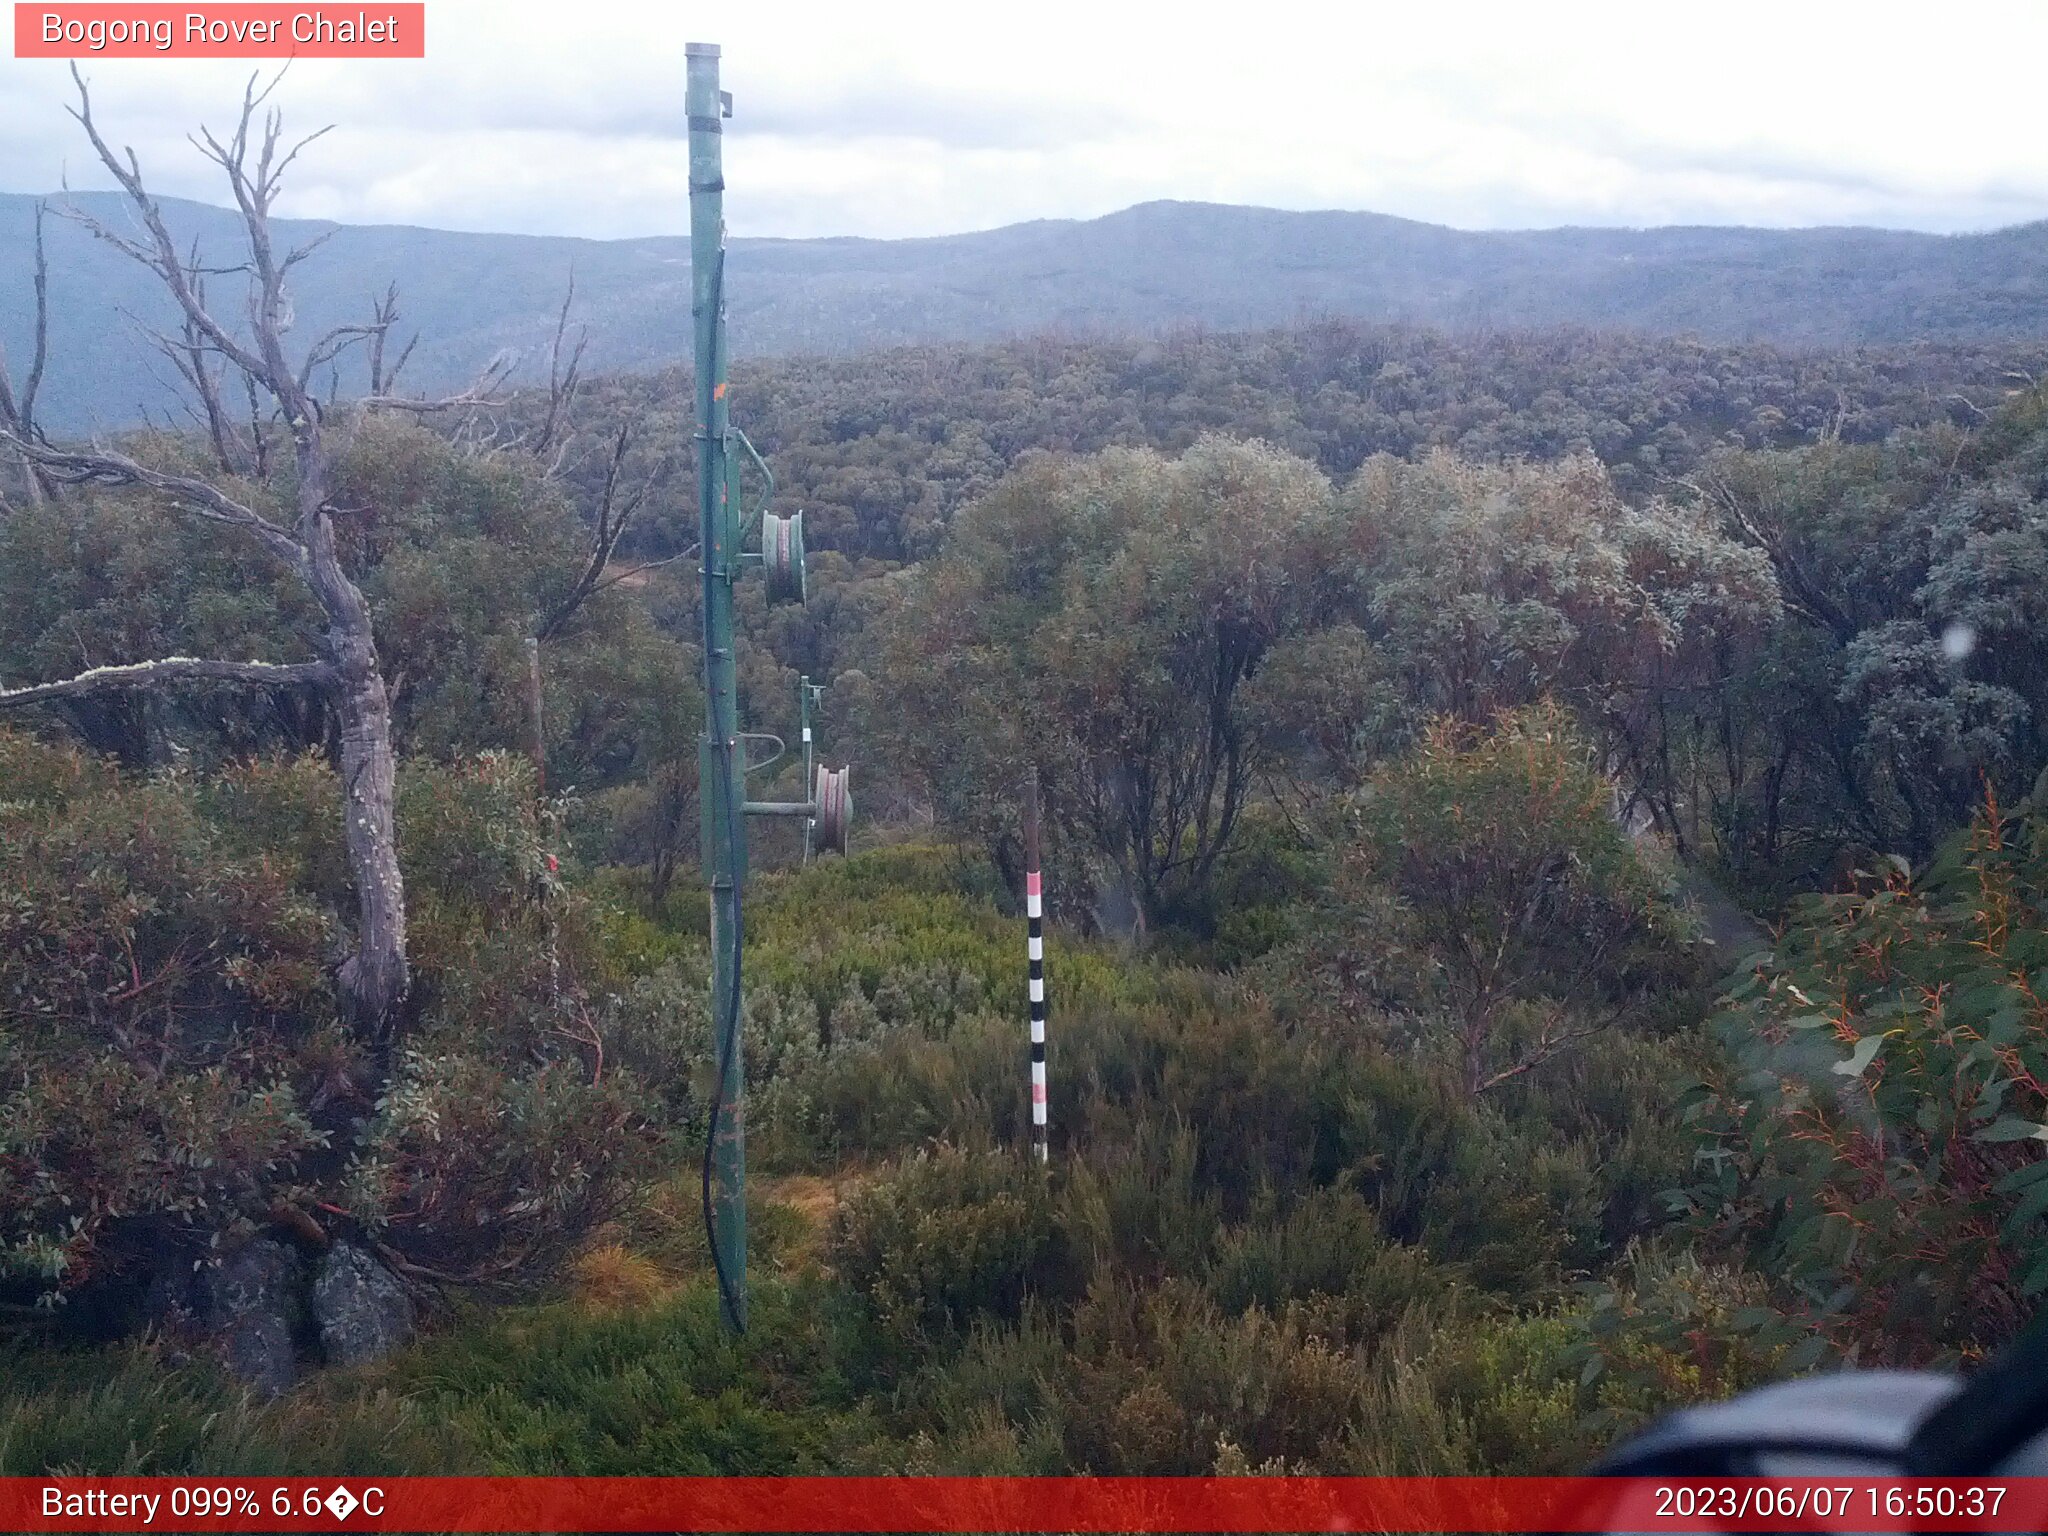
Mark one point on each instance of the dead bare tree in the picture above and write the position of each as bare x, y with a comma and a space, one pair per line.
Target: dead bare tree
202, 371
565, 377
384, 317
375, 977
615, 509
18, 411
550, 444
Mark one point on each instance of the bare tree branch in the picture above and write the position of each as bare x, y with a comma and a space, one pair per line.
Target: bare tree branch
384, 316
1551, 1043
41, 350
270, 309
192, 354
170, 669
642, 569
482, 392
563, 380
259, 444
161, 253
299, 253
18, 413
613, 515
104, 466
330, 347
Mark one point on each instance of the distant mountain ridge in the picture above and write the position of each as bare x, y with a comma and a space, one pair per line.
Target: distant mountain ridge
1146, 269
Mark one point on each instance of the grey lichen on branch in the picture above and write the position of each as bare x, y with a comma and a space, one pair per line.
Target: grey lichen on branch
169, 669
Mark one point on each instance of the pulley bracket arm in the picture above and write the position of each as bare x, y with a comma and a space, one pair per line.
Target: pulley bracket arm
807, 808
767, 479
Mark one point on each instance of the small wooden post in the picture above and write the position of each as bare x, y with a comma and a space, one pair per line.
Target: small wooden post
1034, 914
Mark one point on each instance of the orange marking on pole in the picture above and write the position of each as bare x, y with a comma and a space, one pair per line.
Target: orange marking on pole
718, 391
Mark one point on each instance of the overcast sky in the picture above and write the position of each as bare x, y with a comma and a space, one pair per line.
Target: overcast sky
877, 118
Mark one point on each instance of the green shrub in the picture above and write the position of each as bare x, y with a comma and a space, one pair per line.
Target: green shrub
1490, 1396
1263, 1244
285, 809
1269, 1104
1668, 1330
663, 1391
949, 1237
1539, 920
1163, 1379
901, 1090
1138, 1207
997, 1404
488, 1175
1509, 1208
177, 1073
1328, 1250
1874, 1133
167, 1034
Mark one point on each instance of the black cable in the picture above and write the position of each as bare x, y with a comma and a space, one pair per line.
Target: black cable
728, 1041
729, 1026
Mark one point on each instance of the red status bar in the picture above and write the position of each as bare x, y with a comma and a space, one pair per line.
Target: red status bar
974, 1504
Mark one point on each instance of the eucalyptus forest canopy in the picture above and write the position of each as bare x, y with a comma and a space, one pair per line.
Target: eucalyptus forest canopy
1431, 729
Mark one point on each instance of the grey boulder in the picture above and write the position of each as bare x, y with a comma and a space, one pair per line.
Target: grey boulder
362, 1311
242, 1309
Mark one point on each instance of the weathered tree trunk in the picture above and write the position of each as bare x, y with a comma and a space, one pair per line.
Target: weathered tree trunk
376, 978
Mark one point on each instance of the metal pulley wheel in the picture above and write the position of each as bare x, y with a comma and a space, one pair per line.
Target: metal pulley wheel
835, 809
782, 556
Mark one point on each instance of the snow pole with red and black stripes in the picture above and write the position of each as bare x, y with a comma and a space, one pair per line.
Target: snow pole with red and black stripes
1034, 914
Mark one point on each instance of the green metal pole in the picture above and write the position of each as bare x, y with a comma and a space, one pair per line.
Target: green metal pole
804, 692
720, 761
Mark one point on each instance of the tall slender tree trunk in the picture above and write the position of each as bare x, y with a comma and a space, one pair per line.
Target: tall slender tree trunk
376, 978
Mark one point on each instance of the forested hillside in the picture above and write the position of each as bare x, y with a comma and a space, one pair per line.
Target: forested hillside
881, 450
1142, 272
1394, 696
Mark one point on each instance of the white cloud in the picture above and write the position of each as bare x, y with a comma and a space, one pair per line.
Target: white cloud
903, 119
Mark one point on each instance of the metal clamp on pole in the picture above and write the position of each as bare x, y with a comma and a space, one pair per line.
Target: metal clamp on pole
781, 808
828, 814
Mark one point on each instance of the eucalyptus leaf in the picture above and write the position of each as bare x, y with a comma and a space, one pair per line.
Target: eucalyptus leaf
2012, 1128
1860, 1058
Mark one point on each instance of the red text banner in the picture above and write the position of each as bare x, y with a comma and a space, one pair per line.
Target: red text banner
974, 1504
233, 31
